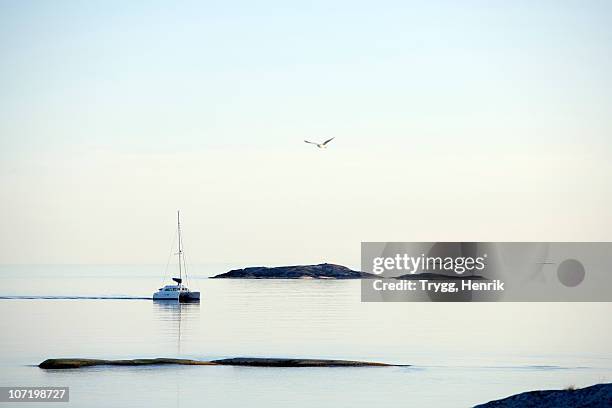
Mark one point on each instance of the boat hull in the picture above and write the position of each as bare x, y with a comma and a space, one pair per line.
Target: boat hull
189, 297
177, 296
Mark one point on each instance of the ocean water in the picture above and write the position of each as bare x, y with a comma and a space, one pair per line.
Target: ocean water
460, 354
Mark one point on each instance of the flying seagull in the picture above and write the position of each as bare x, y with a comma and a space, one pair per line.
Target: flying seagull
320, 145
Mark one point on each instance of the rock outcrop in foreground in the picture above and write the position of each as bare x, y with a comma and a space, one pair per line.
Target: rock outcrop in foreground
321, 271
67, 363
596, 396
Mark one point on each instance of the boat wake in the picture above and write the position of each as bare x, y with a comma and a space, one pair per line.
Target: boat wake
75, 297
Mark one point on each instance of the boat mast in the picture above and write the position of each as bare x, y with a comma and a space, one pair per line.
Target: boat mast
180, 249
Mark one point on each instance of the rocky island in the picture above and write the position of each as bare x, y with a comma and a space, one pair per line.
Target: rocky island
321, 271
69, 363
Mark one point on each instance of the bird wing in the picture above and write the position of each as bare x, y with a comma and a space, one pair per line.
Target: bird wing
311, 142
327, 141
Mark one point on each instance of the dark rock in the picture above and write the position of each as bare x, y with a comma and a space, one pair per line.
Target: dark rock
293, 362
63, 363
596, 396
68, 363
321, 271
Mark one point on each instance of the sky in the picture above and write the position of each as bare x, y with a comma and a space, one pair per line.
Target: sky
479, 121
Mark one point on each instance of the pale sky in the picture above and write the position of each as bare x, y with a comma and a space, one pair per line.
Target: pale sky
479, 121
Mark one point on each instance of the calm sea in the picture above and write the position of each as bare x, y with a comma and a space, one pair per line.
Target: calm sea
462, 354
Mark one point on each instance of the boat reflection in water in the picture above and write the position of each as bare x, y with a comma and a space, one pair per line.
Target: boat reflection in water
177, 318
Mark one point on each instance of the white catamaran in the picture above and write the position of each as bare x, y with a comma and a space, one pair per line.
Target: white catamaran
178, 292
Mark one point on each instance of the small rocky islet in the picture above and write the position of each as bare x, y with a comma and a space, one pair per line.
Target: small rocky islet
326, 271
320, 271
